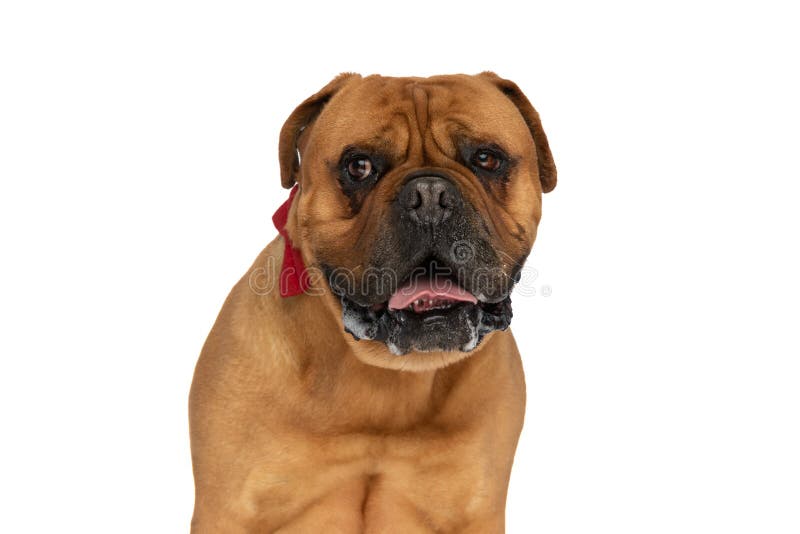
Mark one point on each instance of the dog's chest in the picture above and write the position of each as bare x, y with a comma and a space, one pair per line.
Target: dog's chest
366, 484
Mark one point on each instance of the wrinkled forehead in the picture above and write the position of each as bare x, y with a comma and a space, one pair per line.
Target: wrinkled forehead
377, 110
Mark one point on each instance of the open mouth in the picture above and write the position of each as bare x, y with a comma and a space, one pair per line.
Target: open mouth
429, 312
426, 293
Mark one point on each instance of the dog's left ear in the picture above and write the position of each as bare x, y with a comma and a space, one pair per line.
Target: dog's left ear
299, 121
547, 167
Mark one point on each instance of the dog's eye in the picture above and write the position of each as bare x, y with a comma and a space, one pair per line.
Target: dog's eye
359, 168
486, 160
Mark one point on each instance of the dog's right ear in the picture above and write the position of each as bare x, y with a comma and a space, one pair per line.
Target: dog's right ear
299, 122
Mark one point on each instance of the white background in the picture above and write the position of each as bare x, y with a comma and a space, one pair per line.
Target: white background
138, 157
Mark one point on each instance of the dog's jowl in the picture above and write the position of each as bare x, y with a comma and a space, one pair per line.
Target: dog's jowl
362, 376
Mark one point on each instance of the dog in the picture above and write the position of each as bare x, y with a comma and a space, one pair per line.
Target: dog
361, 376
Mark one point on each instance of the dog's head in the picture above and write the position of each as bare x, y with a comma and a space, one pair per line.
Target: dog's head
419, 200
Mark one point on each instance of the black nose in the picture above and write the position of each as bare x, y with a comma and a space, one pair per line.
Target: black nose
430, 200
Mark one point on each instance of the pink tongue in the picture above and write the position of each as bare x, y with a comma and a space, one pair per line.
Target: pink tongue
427, 289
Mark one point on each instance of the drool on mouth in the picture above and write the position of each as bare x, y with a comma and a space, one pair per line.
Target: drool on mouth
427, 313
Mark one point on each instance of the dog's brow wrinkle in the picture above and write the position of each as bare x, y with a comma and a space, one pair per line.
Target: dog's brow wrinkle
420, 108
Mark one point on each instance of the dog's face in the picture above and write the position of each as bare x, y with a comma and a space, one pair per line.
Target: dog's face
419, 201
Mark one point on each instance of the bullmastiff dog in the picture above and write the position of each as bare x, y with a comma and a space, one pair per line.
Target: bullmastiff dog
361, 376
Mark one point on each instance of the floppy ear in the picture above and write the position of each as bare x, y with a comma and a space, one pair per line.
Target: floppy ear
547, 167
299, 121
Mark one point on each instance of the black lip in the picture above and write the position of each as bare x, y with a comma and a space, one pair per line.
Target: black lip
461, 327
433, 318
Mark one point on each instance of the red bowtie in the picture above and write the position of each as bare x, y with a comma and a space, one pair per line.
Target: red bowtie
294, 279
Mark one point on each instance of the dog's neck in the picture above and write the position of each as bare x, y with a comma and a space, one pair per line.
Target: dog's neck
318, 368
336, 380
